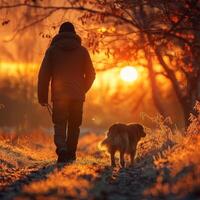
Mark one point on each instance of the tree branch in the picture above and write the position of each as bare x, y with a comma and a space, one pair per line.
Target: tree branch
170, 75
29, 25
77, 8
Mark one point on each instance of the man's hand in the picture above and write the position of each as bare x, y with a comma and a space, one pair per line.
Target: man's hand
43, 104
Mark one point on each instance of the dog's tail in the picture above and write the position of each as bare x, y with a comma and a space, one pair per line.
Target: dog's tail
118, 141
103, 145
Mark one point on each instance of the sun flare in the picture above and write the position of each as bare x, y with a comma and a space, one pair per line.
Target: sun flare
129, 74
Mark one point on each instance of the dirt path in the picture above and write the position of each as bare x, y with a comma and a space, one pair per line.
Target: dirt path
90, 177
85, 179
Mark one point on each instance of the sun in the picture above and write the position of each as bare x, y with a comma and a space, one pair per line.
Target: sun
129, 74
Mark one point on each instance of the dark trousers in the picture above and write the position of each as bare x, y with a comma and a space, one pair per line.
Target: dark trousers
67, 115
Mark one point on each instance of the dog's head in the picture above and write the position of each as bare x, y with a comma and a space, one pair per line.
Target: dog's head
137, 129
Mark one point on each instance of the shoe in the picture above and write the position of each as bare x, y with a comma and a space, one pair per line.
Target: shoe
70, 158
61, 157
64, 158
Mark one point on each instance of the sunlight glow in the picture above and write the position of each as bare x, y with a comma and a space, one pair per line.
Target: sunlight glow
129, 74
16, 69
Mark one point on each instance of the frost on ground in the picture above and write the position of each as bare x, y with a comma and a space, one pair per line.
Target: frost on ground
167, 167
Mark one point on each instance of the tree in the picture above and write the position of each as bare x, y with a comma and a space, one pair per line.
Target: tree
161, 32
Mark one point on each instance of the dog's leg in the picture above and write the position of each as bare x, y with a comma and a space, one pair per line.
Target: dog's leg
122, 162
112, 157
132, 157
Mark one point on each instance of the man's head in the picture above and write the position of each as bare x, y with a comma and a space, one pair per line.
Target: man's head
67, 27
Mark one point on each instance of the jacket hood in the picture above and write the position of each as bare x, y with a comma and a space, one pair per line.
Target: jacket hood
66, 41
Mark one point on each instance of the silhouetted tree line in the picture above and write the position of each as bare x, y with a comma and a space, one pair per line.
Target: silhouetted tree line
18, 108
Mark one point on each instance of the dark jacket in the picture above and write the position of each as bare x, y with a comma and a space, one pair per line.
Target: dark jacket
67, 64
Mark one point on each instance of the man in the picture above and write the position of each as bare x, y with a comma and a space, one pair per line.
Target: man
68, 66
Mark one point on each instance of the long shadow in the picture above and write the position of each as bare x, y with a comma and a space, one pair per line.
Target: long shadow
15, 189
116, 182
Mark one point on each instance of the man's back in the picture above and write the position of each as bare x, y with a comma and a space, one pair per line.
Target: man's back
69, 66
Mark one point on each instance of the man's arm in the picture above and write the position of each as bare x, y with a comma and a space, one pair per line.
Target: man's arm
89, 72
44, 78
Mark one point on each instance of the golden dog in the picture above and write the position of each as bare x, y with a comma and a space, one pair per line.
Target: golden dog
123, 138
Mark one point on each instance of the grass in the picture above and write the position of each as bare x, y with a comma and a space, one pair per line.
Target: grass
167, 167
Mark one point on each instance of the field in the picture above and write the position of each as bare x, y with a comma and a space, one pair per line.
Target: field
167, 167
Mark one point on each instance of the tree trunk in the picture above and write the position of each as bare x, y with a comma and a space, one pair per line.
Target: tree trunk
187, 109
154, 88
155, 93
184, 100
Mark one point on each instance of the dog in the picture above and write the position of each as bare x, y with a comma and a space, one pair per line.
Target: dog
123, 138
